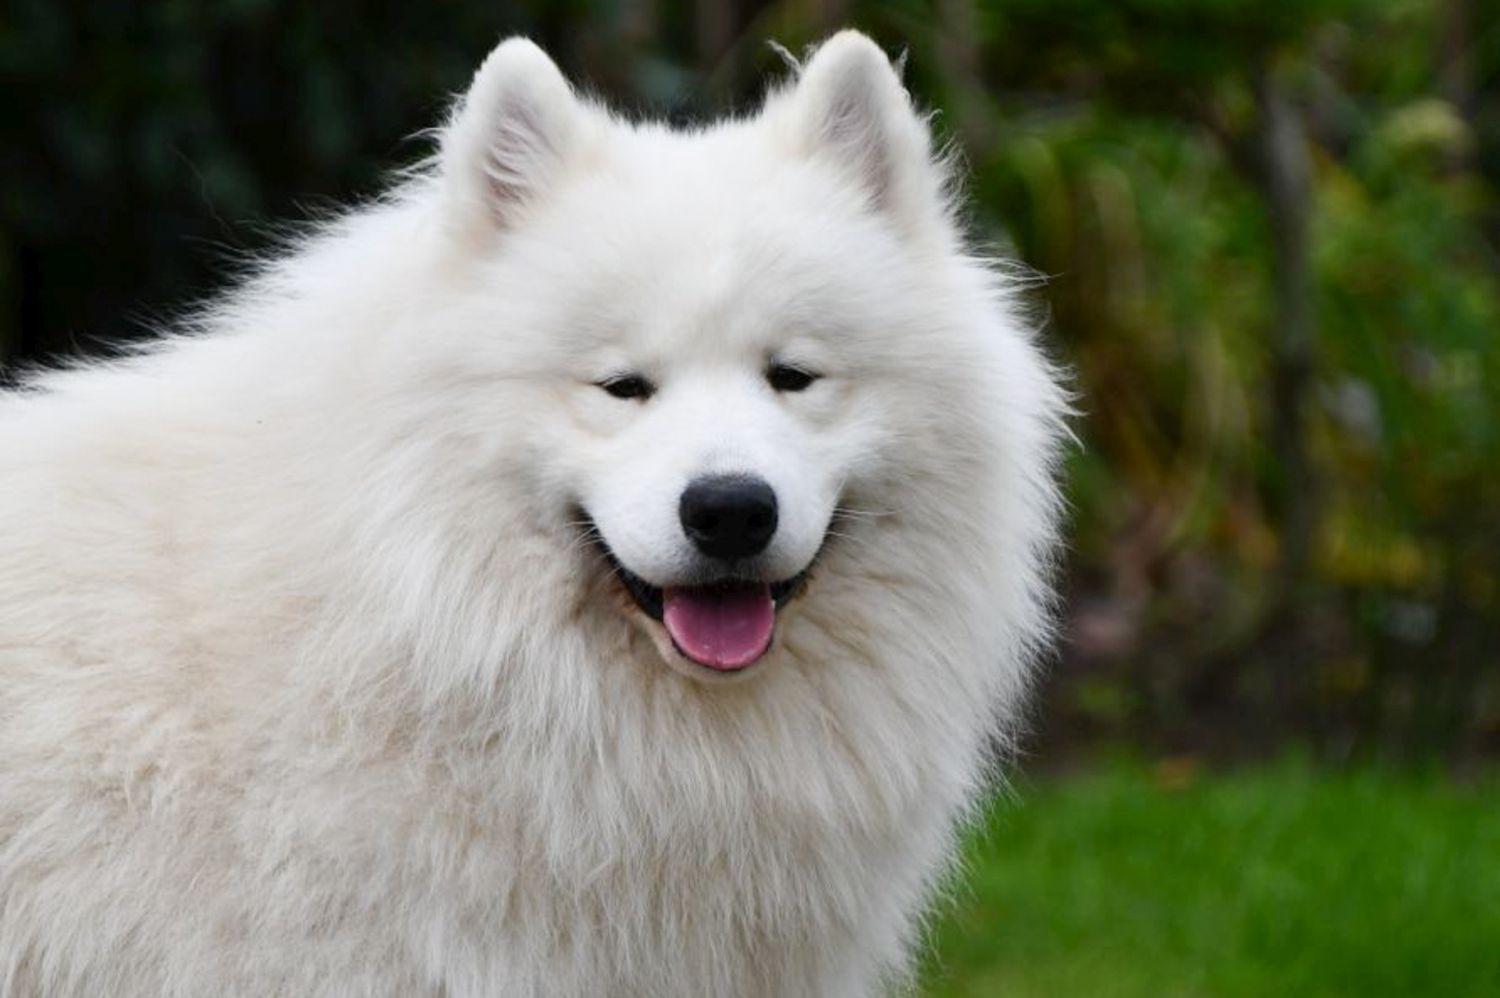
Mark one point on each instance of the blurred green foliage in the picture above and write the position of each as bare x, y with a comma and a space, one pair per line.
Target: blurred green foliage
1268, 232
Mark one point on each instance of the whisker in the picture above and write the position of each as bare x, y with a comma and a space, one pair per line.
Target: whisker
862, 514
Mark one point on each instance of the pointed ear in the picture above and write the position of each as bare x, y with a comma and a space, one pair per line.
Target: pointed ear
850, 108
514, 131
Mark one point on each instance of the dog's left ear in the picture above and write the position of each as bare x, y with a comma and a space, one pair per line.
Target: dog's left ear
850, 108
516, 130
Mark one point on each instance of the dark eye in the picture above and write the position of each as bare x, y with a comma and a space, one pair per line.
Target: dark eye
786, 378
628, 386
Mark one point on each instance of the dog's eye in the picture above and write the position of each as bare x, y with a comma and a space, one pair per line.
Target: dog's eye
627, 386
786, 378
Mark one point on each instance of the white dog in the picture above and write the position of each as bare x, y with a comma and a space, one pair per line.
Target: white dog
597, 569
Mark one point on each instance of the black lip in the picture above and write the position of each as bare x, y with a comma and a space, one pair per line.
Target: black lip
651, 599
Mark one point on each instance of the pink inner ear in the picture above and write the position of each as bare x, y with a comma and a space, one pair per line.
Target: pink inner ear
514, 131
724, 629
853, 104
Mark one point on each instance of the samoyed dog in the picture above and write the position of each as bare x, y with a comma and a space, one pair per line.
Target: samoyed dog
596, 569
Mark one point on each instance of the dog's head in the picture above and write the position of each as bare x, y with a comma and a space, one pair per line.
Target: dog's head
724, 348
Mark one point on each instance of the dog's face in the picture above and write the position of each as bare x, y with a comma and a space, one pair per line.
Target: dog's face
717, 333
713, 427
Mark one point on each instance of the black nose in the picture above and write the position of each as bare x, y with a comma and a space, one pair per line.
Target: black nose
728, 516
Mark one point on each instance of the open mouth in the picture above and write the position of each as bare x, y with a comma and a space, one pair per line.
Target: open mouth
725, 625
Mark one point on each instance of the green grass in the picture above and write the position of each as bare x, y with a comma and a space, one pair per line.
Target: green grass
1281, 881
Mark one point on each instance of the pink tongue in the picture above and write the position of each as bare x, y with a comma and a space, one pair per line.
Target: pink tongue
724, 629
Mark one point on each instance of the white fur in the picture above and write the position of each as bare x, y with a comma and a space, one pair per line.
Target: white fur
310, 685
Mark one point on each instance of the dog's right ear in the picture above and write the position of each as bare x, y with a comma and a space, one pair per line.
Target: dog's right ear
850, 109
513, 132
